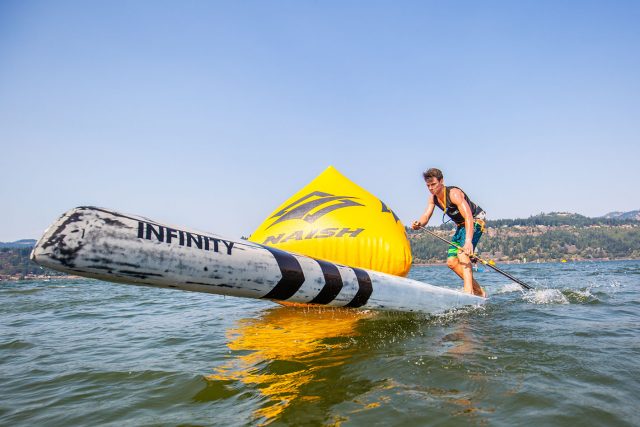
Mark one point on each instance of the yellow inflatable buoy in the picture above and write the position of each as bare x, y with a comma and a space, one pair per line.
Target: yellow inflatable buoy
333, 219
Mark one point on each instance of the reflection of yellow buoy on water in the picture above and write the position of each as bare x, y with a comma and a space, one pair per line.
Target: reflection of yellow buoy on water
287, 347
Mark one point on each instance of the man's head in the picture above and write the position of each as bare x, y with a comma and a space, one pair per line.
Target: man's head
434, 179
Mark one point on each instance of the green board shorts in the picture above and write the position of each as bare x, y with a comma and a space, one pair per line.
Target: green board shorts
459, 237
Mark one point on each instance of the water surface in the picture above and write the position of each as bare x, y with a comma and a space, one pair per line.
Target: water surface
85, 352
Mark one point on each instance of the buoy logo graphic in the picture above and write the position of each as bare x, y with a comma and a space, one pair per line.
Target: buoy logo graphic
386, 209
313, 206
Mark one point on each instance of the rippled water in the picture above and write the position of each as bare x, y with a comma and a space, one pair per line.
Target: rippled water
84, 352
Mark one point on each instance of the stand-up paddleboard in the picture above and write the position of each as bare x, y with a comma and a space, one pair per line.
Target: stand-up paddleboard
107, 245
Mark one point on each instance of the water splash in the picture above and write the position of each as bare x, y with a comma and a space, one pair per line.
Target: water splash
545, 296
511, 287
457, 314
580, 295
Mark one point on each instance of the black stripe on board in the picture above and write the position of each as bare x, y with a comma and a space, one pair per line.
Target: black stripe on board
332, 283
365, 289
292, 275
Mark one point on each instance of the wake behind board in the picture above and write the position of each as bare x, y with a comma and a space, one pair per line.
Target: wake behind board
106, 245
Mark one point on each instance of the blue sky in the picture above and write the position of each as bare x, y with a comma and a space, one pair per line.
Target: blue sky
210, 114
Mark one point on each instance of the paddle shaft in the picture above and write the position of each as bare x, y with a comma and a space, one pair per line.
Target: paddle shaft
504, 273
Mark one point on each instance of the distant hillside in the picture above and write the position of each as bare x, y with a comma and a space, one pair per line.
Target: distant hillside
555, 219
631, 215
544, 237
15, 263
24, 243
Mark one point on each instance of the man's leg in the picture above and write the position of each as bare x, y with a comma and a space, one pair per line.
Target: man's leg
467, 272
477, 289
460, 263
478, 229
464, 271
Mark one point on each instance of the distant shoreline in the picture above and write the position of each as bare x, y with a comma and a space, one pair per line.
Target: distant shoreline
568, 261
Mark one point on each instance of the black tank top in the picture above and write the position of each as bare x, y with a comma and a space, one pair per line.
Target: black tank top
452, 210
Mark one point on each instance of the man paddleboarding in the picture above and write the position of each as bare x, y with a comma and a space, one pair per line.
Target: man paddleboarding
466, 215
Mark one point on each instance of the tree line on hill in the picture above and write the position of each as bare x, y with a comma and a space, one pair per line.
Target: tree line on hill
545, 237
15, 262
558, 219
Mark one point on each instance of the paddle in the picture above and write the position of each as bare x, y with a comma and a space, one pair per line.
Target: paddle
474, 256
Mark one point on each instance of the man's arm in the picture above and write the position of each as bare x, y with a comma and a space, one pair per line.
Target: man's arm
426, 216
457, 198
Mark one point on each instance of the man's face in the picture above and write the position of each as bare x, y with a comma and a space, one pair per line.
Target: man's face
434, 185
